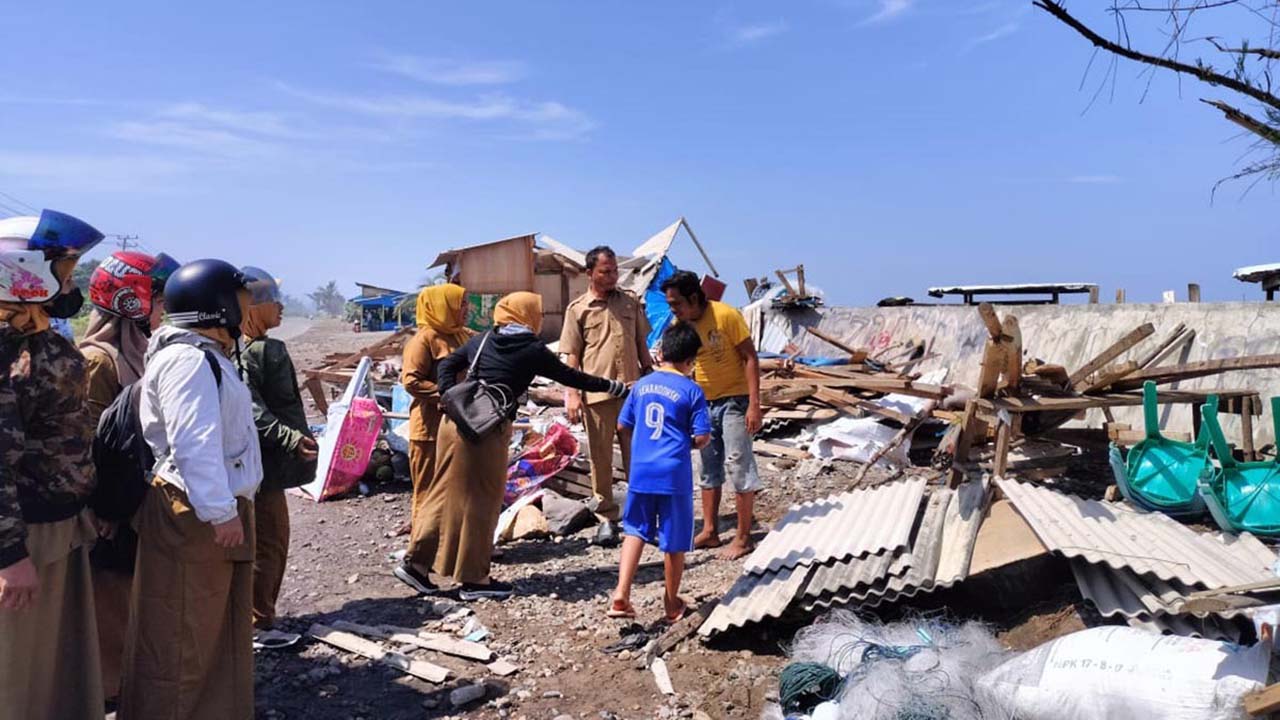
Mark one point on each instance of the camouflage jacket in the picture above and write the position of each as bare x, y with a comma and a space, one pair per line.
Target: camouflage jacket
46, 436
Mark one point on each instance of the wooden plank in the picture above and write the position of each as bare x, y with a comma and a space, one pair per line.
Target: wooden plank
1176, 346
1109, 375
769, 448
1115, 350
316, 388
1188, 371
372, 631
1000, 464
420, 669
1128, 438
990, 319
989, 406
442, 643
1246, 431
1145, 360
816, 414
1053, 373
1264, 701
856, 355
884, 385
907, 431
678, 632
1011, 340
786, 283
786, 394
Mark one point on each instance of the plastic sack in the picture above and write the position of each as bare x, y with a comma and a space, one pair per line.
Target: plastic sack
1121, 672
857, 439
541, 460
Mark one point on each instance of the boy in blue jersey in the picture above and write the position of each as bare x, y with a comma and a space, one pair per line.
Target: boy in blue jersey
667, 414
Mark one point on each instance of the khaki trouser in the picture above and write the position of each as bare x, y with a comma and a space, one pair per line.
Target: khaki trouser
271, 518
189, 648
601, 421
461, 509
49, 652
422, 470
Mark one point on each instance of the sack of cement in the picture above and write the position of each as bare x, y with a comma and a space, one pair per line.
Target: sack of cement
1121, 672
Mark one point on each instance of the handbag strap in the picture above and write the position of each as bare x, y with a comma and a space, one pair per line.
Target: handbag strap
479, 350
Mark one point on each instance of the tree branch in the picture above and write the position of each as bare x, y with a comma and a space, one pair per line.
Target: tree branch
1252, 124
1260, 52
1204, 74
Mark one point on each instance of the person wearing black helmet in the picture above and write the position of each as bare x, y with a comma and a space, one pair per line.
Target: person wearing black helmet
48, 635
189, 647
289, 450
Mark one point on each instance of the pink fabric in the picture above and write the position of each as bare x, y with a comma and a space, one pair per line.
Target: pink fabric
356, 440
542, 460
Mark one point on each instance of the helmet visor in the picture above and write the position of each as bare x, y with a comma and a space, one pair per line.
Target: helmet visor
262, 286
61, 234
164, 267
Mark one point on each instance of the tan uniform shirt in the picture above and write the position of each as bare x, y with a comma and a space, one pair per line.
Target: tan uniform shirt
606, 335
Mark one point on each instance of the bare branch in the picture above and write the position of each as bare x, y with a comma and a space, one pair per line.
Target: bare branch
1202, 73
1260, 52
1248, 122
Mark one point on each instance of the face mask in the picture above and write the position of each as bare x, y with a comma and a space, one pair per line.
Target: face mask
66, 305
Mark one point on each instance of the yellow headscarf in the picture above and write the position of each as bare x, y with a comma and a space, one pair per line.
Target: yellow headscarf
524, 308
438, 307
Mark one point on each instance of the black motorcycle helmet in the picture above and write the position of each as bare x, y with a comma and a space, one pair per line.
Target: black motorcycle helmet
202, 294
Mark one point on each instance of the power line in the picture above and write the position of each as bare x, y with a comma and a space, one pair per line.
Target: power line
28, 206
124, 241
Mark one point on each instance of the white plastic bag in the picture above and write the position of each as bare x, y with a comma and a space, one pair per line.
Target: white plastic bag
1121, 672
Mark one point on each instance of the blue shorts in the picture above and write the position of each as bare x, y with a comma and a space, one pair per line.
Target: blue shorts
664, 520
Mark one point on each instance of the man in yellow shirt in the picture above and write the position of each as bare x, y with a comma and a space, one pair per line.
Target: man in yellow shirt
728, 370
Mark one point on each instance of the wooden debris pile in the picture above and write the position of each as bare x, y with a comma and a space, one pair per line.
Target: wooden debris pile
336, 369
1014, 400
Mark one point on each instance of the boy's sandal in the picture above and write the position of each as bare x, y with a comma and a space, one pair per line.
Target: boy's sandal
621, 609
678, 615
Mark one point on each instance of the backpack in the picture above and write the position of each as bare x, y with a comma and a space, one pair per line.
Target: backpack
121, 455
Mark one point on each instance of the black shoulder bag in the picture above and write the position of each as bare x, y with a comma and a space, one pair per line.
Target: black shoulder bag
477, 407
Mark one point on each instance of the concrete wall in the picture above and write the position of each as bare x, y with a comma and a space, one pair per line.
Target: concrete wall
1070, 335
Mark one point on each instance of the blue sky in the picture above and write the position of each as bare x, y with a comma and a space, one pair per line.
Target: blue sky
888, 145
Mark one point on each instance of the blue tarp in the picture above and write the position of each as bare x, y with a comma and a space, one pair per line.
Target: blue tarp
655, 302
809, 360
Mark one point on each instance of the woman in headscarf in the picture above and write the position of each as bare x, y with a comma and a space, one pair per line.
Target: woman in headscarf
442, 310
289, 449
127, 293
462, 505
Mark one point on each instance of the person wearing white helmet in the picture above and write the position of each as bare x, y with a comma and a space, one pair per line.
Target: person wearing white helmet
48, 634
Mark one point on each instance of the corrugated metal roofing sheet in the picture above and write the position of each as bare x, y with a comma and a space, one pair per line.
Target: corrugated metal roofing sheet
852, 524
756, 597
1146, 543
1147, 602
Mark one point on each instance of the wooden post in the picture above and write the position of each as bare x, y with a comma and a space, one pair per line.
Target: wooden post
1120, 296
1093, 296
1193, 292
1246, 429
1001, 462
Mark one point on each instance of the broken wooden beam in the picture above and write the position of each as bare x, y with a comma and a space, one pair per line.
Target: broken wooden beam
856, 355
888, 384
1174, 373
1115, 350
1109, 375
990, 319
769, 448
420, 669
1147, 359
990, 406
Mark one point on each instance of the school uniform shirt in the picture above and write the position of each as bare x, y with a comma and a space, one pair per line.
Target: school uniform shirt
720, 370
203, 437
665, 410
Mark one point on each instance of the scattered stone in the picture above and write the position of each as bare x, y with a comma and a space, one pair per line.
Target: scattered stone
551, 694
467, 694
355, 578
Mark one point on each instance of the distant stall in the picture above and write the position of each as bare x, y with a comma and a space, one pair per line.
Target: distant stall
382, 308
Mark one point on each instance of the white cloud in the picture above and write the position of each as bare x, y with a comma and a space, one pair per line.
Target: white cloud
88, 172
1004, 30
756, 32
441, 71
261, 123
545, 120
206, 140
1094, 179
888, 10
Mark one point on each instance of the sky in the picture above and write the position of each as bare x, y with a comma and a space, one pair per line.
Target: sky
886, 145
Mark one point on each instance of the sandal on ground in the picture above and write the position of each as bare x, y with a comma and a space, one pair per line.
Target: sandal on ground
621, 609
679, 614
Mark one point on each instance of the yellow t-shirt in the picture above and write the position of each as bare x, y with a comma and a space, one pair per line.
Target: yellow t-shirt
720, 370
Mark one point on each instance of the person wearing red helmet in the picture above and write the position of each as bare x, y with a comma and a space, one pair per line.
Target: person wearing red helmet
127, 294
48, 633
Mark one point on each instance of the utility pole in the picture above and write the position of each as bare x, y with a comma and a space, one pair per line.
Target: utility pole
124, 241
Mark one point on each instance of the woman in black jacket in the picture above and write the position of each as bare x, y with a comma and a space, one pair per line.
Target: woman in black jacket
471, 477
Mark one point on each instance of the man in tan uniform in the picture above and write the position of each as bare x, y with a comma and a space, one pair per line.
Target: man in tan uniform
605, 333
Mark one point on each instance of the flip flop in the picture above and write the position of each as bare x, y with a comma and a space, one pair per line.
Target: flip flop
621, 611
677, 616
